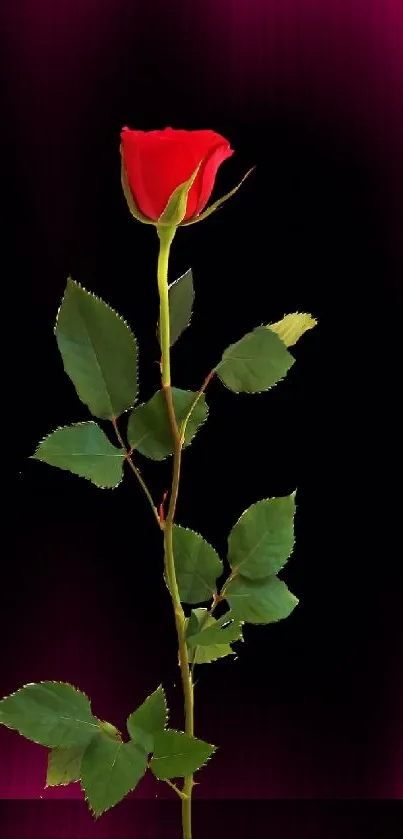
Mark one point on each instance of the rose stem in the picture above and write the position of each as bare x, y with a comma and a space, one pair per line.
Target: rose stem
166, 235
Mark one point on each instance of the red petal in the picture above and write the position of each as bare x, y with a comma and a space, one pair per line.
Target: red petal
204, 183
157, 162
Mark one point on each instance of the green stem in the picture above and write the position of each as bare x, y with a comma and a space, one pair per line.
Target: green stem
175, 788
193, 405
137, 473
166, 235
170, 784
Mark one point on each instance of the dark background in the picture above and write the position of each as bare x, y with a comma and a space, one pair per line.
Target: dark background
312, 707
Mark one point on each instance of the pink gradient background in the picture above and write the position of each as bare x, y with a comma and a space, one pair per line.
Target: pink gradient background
340, 62
337, 63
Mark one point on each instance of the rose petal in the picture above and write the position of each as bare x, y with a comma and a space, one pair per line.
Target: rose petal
157, 162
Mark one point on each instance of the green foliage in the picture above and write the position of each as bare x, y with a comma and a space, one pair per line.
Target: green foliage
207, 638
292, 327
255, 363
85, 450
110, 770
109, 729
259, 545
149, 430
197, 565
259, 601
208, 630
99, 352
181, 297
148, 719
263, 538
64, 766
209, 653
54, 714
176, 754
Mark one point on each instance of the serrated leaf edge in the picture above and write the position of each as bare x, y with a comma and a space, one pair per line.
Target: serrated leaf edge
253, 392
195, 533
217, 643
46, 682
192, 651
313, 322
74, 425
237, 573
217, 658
167, 710
262, 580
70, 281
65, 783
97, 815
42, 682
185, 445
214, 750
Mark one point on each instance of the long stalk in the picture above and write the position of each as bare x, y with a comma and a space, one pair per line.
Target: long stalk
166, 235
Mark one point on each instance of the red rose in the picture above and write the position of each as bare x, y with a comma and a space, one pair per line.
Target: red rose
157, 162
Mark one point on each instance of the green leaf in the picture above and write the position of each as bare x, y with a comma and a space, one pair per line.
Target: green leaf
259, 601
209, 653
148, 719
110, 770
85, 450
292, 327
181, 296
207, 640
175, 209
149, 431
64, 766
54, 714
263, 538
197, 565
213, 207
109, 729
255, 363
99, 352
198, 618
176, 754
212, 631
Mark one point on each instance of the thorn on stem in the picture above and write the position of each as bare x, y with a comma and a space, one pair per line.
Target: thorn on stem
161, 509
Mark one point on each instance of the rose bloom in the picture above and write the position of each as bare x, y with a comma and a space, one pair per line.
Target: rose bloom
157, 162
